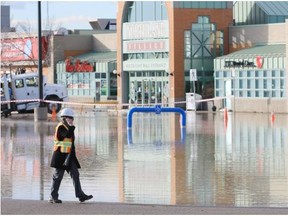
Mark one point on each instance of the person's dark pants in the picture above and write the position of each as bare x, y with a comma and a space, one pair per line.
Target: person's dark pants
58, 176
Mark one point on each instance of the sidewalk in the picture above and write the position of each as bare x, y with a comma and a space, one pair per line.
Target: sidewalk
36, 207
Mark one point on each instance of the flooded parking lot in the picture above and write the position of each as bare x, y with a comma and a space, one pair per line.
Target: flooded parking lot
241, 162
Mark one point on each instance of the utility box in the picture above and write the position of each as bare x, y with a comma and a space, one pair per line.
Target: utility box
190, 101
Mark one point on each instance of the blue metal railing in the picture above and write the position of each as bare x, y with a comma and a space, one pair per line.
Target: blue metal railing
157, 109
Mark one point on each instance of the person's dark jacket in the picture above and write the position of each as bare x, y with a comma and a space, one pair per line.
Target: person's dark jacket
58, 158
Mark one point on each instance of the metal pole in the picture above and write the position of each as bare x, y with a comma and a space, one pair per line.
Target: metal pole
10, 68
194, 95
40, 56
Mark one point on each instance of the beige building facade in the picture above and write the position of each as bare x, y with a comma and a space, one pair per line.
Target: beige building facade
248, 42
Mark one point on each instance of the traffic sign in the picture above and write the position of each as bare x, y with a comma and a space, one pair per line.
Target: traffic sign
193, 75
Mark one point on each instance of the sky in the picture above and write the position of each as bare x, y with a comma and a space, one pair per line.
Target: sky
68, 14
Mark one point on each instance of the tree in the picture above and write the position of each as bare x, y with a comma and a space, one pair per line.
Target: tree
20, 48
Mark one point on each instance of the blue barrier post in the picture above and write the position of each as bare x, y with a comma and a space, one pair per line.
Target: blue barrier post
157, 109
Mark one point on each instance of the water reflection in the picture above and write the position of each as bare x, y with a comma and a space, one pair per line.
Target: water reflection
241, 163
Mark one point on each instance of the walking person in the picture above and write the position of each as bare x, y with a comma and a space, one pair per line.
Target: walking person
64, 157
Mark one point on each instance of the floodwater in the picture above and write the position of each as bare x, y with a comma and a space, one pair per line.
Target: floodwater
241, 162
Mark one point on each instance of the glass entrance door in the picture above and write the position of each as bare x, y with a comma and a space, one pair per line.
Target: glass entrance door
148, 90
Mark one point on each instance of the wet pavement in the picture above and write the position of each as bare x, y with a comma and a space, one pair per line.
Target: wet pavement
241, 162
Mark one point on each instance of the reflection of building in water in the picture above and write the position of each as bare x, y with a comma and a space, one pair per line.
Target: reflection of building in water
154, 162
244, 164
97, 149
146, 160
252, 159
25, 154
95, 132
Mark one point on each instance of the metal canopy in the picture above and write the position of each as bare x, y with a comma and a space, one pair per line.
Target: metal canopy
274, 8
278, 50
99, 57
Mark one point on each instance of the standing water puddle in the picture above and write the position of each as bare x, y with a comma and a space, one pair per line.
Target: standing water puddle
242, 162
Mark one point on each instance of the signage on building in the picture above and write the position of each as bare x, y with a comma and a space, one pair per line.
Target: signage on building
143, 46
21, 49
78, 66
193, 75
145, 30
259, 61
145, 65
240, 63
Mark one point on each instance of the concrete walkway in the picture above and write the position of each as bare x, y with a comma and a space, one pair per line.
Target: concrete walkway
36, 207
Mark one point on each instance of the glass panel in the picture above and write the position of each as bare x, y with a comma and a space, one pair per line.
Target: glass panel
178, 4
240, 84
148, 10
19, 83
138, 13
206, 53
187, 4
195, 49
265, 84
103, 87
210, 4
256, 84
202, 4
282, 84
187, 34
31, 82
207, 26
195, 4
217, 84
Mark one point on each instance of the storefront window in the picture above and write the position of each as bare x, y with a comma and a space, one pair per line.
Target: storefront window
202, 44
201, 4
259, 83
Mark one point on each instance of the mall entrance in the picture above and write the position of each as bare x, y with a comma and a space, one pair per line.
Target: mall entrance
148, 88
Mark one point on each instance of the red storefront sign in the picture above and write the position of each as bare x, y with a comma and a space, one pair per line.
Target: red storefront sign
78, 66
22, 49
146, 46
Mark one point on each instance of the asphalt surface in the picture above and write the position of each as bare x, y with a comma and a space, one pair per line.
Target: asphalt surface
36, 207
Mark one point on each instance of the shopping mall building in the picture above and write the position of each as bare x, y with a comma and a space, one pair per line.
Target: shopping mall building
159, 43
232, 52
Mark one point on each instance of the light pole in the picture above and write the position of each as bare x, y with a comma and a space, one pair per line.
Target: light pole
40, 56
40, 113
10, 70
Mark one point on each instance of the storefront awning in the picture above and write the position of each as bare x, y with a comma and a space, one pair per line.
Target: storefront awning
98, 57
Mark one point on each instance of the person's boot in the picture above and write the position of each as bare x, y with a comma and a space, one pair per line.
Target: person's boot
85, 197
52, 200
